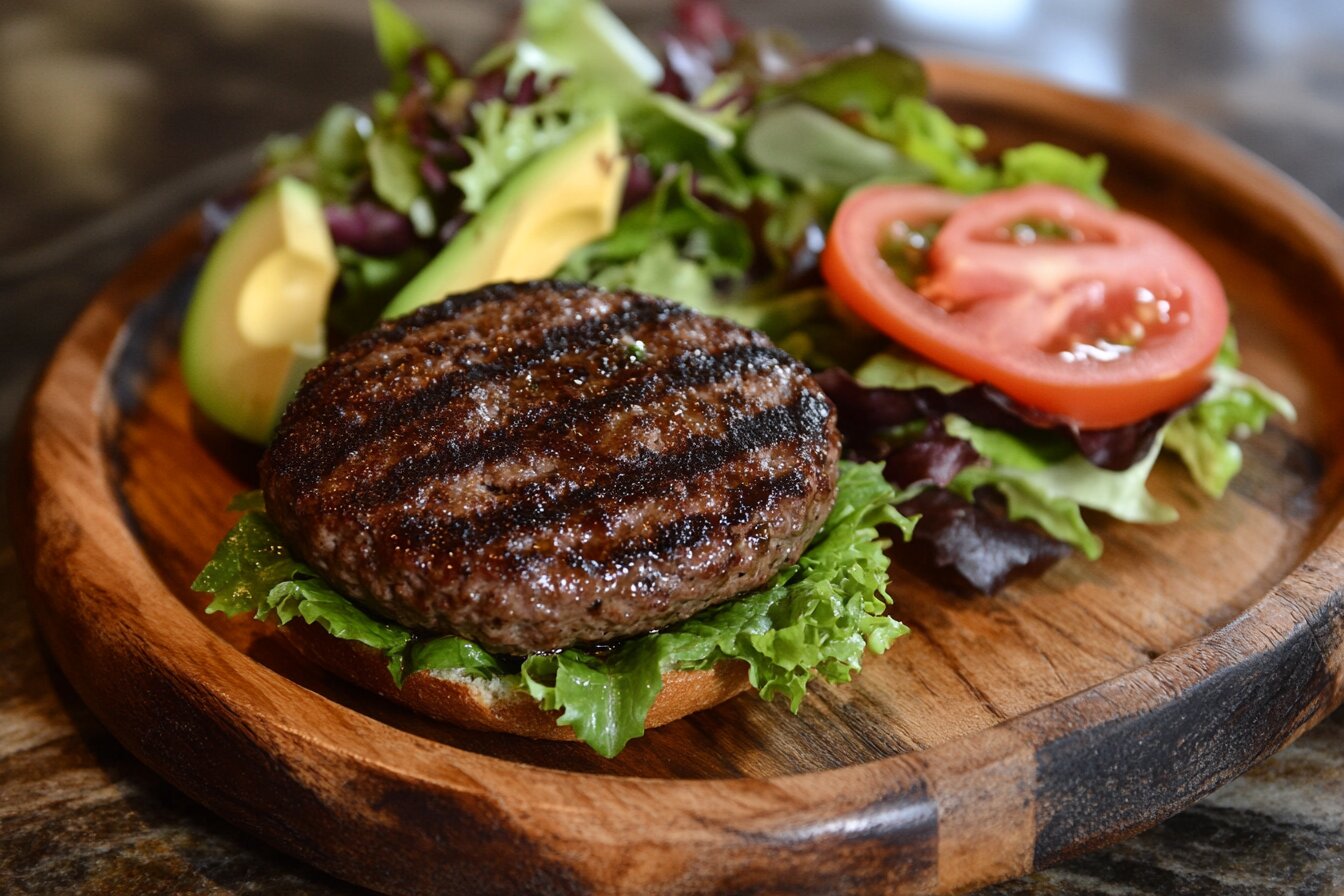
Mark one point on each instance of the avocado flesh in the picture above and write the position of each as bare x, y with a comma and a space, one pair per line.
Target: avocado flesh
564, 198
255, 322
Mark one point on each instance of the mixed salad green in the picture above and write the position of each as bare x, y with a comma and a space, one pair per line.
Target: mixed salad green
741, 145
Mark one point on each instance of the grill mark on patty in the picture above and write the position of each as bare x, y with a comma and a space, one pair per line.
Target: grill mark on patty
588, 333
395, 332
688, 531
343, 439
391, 335
802, 421
688, 370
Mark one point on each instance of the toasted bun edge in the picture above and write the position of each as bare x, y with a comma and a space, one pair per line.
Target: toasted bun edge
473, 703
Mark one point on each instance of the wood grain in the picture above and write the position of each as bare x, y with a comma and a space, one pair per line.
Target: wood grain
1004, 734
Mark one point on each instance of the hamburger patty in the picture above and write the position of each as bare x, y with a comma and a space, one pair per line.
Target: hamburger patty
540, 465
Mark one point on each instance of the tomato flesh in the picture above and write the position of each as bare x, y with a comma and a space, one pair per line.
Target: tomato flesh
1107, 319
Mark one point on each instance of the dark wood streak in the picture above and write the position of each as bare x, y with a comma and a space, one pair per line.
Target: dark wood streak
894, 851
1087, 790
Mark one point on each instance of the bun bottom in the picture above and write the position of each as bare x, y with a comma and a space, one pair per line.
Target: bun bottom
473, 703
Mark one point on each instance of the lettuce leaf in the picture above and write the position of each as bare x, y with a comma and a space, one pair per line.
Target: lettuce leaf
585, 37
451, 653
668, 130
397, 37
507, 136
815, 618
604, 699
249, 562
605, 69
593, 65
394, 166
1236, 406
662, 270
888, 370
1043, 476
926, 136
332, 157
867, 80
368, 283
672, 245
946, 152
253, 572
807, 145
1047, 163
317, 603
1051, 490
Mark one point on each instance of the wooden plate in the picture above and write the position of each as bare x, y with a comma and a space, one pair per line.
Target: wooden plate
1003, 735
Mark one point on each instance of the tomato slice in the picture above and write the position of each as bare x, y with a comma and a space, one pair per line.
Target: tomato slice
1100, 316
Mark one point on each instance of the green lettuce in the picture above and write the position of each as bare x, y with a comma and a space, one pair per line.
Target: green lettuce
394, 166
1047, 163
317, 603
865, 116
1045, 481
807, 145
253, 572
368, 283
944, 149
507, 137
672, 244
664, 271
1041, 475
584, 37
867, 81
815, 618
890, 370
397, 37
606, 69
332, 157
1236, 405
450, 653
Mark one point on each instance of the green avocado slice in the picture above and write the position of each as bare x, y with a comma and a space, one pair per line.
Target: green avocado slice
255, 323
564, 198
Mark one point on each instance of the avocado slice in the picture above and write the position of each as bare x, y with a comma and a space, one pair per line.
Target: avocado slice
255, 323
564, 198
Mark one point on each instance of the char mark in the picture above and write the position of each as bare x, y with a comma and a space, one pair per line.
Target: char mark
344, 438
749, 503
633, 480
530, 430
395, 332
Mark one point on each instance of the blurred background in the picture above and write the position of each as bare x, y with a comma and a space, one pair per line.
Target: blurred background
116, 118
102, 104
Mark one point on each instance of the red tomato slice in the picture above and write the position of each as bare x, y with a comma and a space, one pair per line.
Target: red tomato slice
1112, 321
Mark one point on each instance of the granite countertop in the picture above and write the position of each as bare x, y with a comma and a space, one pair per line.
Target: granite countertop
115, 119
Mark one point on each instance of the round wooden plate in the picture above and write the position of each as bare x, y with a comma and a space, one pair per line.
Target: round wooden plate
1003, 735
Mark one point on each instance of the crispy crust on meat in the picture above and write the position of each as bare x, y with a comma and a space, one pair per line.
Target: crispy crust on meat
540, 465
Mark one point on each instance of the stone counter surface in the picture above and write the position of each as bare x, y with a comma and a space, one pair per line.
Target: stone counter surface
117, 118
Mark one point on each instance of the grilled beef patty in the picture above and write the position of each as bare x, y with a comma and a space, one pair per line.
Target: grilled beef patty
539, 465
